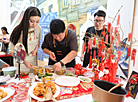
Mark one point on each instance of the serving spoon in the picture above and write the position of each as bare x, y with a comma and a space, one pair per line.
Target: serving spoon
116, 86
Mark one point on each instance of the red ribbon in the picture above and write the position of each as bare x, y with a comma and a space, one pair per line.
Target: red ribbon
90, 62
109, 26
118, 19
94, 41
106, 39
94, 55
133, 55
128, 52
85, 44
129, 36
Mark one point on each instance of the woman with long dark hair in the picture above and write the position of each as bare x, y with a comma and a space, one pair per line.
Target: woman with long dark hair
5, 39
28, 32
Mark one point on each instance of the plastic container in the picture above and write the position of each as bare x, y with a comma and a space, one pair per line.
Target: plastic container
24, 71
9, 70
23, 90
21, 84
70, 71
21, 97
62, 71
49, 69
36, 69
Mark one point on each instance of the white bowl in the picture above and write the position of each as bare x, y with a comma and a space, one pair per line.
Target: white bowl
9, 70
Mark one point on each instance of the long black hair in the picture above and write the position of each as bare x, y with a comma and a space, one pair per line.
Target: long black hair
24, 26
4, 28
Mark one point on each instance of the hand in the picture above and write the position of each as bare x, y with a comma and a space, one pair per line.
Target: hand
57, 66
5, 65
28, 65
33, 52
52, 56
82, 57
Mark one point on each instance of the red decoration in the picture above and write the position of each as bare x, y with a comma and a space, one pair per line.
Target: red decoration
133, 55
118, 19
118, 38
106, 39
21, 54
129, 36
94, 41
116, 30
94, 55
90, 62
119, 54
99, 52
109, 26
103, 33
102, 67
85, 44
90, 43
128, 52
88, 47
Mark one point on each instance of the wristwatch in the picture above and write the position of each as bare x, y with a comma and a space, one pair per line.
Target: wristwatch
62, 64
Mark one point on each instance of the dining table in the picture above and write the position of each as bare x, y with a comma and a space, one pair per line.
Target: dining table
83, 96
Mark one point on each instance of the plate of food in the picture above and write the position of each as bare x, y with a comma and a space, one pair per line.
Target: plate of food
47, 76
84, 79
40, 90
67, 81
6, 93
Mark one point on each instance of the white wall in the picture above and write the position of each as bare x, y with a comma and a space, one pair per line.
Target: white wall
5, 14
126, 13
135, 35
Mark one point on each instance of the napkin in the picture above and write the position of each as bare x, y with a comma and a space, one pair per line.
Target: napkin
5, 79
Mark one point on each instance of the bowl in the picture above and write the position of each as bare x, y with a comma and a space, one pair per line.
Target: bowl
9, 70
100, 92
62, 71
24, 71
49, 69
36, 69
70, 72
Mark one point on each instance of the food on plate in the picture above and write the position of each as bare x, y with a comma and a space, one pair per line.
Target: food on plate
84, 79
44, 75
2, 94
46, 90
61, 72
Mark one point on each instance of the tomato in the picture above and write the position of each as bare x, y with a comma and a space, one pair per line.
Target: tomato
77, 72
82, 71
78, 67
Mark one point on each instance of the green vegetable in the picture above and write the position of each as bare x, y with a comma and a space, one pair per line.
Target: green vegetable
69, 74
49, 74
84, 79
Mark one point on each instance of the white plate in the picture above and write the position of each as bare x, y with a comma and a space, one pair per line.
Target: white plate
67, 81
9, 91
88, 79
54, 76
37, 98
